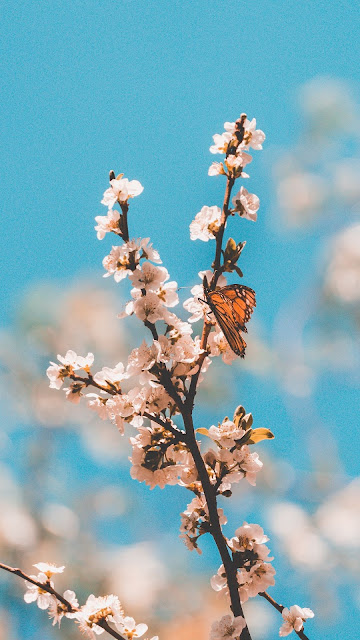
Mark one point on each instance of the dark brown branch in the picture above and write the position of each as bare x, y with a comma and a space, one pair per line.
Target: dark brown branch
167, 424
215, 526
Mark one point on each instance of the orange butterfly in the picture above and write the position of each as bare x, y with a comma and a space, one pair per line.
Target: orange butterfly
232, 307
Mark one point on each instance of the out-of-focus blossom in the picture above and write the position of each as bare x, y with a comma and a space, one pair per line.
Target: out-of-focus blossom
226, 628
301, 196
342, 280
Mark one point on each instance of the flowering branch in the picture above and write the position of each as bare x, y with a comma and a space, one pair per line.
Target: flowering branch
66, 608
166, 375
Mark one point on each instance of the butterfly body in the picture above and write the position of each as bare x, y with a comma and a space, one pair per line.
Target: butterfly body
232, 307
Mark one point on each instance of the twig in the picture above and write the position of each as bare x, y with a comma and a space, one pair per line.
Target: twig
46, 586
217, 272
280, 607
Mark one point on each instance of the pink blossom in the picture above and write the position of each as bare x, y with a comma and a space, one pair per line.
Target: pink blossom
226, 628
294, 619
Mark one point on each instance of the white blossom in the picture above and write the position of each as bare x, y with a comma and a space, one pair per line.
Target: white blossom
226, 433
195, 305
108, 223
98, 609
111, 377
294, 619
48, 568
37, 594
235, 163
247, 204
57, 610
120, 190
206, 224
253, 137
216, 169
70, 362
128, 628
144, 357
250, 537
98, 404
221, 142
148, 277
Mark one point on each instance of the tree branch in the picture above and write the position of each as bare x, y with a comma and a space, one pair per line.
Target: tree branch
45, 586
279, 608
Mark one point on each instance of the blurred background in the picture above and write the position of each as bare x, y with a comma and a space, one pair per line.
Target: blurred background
140, 88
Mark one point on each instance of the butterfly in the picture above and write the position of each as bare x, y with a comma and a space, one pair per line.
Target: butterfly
232, 307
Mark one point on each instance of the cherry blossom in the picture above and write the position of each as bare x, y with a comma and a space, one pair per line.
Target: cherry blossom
196, 305
107, 224
111, 377
256, 580
36, 594
226, 628
236, 163
57, 610
148, 276
98, 404
294, 619
128, 628
120, 190
216, 169
206, 224
253, 137
148, 308
221, 142
249, 537
247, 204
48, 568
97, 609
226, 433
70, 362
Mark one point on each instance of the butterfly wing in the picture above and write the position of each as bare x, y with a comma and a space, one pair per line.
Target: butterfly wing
243, 302
232, 307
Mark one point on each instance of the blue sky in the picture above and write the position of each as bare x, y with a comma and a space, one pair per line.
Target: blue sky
140, 87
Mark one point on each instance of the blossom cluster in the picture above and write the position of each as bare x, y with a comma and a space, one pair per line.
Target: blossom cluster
255, 572
235, 143
89, 617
